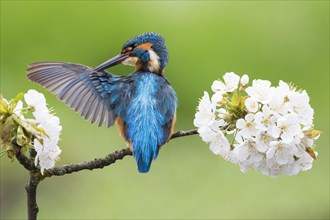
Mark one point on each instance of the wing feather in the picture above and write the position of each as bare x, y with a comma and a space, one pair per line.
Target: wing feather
86, 113
96, 113
74, 96
78, 86
82, 105
101, 117
76, 105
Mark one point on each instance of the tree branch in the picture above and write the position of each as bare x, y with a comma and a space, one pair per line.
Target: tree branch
183, 133
31, 190
32, 184
25, 161
99, 163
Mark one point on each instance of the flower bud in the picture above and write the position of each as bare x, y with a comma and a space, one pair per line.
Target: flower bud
244, 80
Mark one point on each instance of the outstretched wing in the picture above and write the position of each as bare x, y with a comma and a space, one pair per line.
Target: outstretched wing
82, 88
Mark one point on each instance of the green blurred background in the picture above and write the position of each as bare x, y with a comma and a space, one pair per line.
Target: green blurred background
269, 40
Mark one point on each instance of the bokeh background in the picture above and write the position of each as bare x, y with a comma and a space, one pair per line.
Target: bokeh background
287, 40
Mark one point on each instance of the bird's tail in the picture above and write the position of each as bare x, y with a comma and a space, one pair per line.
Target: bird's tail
143, 166
144, 153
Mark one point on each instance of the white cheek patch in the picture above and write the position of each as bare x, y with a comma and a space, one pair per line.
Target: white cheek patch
153, 64
131, 61
154, 61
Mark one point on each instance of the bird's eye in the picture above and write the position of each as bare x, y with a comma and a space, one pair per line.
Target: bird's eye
127, 49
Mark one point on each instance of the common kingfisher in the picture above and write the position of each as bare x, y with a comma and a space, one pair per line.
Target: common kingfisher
143, 104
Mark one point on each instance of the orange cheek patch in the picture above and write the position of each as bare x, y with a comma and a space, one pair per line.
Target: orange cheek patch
145, 46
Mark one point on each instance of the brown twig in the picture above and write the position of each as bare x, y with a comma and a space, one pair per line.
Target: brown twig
183, 133
99, 163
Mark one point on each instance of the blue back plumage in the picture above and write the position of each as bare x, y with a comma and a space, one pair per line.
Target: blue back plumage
149, 117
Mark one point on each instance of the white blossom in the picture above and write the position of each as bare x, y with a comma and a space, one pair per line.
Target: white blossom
300, 105
247, 155
289, 127
48, 151
282, 92
37, 101
305, 162
263, 140
205, 114
47, 154
52, 127
230, 83
46, 142
220, 144
210, 133
218, 86
18, 110
271, 127
207, 134
261, 91
265, 119
282, 152
251, 105
247, 126
217, 98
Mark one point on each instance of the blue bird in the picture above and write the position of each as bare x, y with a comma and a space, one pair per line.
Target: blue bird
142, 104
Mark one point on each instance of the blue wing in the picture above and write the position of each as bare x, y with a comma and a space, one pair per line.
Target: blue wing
144, 103
94, 95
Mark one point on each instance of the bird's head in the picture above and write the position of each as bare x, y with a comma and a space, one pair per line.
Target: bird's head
147, 52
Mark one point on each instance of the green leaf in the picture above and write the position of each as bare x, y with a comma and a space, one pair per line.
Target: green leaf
19, 96
21, 140
8, 130
3, 105
13, 102
313, 134
39, 129
235, 99
243, 98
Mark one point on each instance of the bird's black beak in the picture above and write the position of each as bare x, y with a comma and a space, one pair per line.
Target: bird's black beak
113, 61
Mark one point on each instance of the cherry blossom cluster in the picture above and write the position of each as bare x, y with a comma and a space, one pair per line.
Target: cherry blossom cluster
46, 143
45, 128
262, 127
